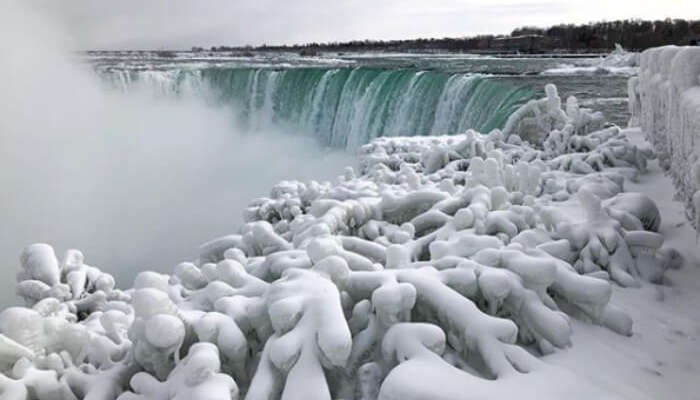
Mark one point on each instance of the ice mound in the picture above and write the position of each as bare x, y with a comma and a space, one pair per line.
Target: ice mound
618, 62
664, 101
459, 258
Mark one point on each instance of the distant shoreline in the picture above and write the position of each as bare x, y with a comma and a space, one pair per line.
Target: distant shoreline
564, 40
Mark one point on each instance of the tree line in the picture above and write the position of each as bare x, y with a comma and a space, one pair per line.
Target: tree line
632, 34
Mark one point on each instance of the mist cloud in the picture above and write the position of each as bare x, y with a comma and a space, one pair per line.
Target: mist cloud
136, 183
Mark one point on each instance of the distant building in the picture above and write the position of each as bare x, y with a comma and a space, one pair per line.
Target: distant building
695, 41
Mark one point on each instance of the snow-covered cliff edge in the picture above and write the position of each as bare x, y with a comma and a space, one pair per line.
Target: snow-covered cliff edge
665, 103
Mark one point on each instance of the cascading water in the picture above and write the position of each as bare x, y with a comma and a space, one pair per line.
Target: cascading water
345, 107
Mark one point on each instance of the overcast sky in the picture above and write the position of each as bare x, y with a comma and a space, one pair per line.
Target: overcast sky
153, 24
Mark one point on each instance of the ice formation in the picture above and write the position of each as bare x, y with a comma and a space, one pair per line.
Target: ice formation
665, 102
460, 257
618, 62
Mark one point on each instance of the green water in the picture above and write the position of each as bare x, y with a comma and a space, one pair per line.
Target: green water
347, 107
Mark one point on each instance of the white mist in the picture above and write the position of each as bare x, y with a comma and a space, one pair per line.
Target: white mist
134, 182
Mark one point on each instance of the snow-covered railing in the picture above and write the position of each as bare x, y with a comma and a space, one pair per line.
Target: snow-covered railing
665, 103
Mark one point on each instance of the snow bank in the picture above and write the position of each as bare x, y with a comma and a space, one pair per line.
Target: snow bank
445, 257
618, 62
665, 103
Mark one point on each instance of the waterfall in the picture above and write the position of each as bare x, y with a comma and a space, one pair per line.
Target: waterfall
344, 107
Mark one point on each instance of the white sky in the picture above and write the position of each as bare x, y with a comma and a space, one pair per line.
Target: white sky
157, 24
